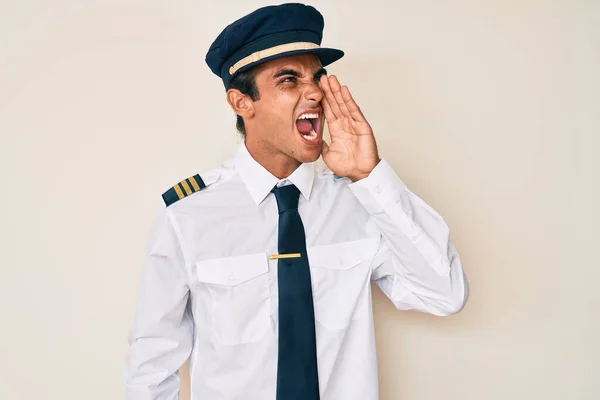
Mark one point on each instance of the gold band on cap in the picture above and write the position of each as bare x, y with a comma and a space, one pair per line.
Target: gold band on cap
282, 48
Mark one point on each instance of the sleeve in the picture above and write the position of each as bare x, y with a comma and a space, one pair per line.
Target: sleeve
160, 339
416, 265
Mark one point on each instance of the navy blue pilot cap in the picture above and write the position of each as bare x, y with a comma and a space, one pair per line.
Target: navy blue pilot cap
268, 33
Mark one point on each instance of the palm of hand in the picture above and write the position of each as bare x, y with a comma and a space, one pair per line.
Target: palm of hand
353, 151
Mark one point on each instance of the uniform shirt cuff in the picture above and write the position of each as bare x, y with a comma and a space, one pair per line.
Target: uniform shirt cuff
380, 188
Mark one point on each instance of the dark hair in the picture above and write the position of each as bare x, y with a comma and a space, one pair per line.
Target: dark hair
245, 82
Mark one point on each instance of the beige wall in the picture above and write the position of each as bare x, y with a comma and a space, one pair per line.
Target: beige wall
489, 110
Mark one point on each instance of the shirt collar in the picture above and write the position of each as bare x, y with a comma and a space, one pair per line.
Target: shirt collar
260, 182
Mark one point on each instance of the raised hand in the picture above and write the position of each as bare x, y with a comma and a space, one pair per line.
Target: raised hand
353, 150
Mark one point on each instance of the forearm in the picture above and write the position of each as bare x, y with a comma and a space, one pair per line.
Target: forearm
417, 266
157, 350
162, 331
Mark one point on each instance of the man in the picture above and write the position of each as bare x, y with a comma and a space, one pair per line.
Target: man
260, 270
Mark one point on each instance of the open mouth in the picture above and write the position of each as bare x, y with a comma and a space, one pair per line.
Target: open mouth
308, 126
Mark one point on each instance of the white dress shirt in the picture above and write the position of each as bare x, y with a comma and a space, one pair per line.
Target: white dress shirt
209, 290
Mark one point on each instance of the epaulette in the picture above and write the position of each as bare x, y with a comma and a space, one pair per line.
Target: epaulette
183, 189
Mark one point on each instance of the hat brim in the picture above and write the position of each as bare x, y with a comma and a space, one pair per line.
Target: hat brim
327, 56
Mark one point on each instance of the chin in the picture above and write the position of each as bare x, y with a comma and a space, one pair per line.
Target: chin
308, 155
308, 149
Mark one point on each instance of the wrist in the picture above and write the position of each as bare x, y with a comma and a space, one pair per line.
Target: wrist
356, 178
363, 174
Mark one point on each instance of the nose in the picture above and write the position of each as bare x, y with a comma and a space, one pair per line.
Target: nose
313, 92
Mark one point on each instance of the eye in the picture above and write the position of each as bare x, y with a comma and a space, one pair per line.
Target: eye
290, 79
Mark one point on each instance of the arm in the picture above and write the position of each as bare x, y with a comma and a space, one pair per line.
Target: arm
161, 336
417, 266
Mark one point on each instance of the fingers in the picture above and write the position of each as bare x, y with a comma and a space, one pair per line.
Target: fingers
340, 101
336, 88
329, 116
330, 100
351, 105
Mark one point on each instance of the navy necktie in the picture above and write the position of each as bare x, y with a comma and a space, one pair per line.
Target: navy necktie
297, 377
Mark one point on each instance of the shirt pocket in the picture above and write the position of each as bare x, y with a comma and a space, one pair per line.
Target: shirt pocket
340, 275
238, 290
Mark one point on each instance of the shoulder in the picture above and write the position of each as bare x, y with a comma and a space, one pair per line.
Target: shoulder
192, 185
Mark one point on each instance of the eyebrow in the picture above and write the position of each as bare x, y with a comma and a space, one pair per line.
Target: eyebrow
289, 71
286, 71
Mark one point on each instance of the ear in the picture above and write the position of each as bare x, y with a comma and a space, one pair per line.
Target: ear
240, 103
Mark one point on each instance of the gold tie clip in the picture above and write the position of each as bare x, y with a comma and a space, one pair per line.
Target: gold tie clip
278, 256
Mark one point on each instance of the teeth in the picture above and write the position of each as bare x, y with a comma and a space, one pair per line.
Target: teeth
312, 135
309, 116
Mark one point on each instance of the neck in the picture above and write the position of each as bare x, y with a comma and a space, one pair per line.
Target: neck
277, 163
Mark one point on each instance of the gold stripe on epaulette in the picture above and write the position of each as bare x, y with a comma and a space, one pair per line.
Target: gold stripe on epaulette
178, 191
194, 183
186, 187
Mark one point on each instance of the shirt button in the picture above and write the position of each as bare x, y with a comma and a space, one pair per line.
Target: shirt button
378, 189
231, 278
